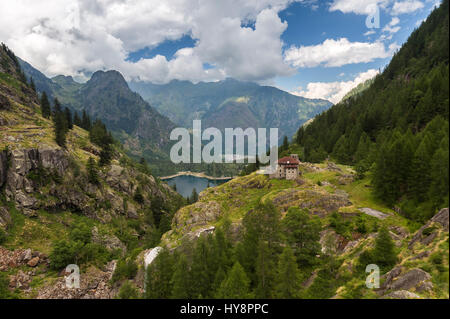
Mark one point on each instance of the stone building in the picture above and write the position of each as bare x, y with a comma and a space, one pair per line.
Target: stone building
287, 167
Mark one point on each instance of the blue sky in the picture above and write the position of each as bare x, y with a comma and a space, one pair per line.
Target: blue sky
317, 49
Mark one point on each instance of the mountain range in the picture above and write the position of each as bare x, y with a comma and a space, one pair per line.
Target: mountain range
143, 126
230, 103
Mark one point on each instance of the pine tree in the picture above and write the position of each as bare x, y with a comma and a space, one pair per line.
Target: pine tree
180, 280
68, 116
384, 253
194, 196
92, 171
32, 85
202, 271
76, 119
264, 271
159, 275
236, 285
86, 121
288, 276
60, 129
218, 280
106, 155
45, 105
56, 107
303, 233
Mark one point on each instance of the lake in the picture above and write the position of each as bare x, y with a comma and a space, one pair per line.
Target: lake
186, 183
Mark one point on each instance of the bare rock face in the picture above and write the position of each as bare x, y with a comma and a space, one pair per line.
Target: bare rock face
320, 203
441, 218
16, 165
110, 242
5, 217
416, 278
199, 214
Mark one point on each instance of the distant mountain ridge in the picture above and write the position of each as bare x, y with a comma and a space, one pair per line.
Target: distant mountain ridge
230, 103
143, 131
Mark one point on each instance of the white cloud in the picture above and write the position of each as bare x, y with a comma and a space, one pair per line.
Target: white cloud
82, 36
366, 7
370, 32
335, 53
334, 91
357, 6
392, 27
408, 6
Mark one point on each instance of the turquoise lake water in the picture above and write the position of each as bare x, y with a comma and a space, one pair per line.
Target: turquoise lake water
185, 184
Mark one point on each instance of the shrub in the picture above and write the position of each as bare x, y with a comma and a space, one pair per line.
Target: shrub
64, 253
125, 270
127, 291
81, 232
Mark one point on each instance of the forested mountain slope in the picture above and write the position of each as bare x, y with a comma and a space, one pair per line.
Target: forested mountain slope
397, 129
231, 103
67, 196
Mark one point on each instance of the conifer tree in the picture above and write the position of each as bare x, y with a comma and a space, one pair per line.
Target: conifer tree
159, 275
76, 119
180, 280
32, 85
92, 171
68, 116
236, 285
384, 253
86, 121
288, 276
45, 105
60, 129
264, 271
303, 233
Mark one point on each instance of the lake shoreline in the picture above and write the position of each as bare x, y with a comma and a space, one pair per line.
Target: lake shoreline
196, 174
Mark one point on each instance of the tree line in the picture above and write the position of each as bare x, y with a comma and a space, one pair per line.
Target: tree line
396, 130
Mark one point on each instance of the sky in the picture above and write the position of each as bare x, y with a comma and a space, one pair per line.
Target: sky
311, 48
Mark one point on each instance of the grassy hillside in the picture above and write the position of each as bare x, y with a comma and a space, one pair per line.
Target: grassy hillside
347, 220
59, 205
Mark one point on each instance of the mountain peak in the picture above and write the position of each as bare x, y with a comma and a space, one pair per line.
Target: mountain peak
109, 76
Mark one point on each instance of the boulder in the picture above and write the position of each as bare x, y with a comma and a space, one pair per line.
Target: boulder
33, 262
410, 280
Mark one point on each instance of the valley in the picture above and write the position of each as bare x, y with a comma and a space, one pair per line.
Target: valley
357, 209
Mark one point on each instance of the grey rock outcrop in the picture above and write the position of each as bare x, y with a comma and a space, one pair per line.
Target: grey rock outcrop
5, 217
414, 279
441, 218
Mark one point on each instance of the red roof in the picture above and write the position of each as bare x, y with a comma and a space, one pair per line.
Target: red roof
287, 160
